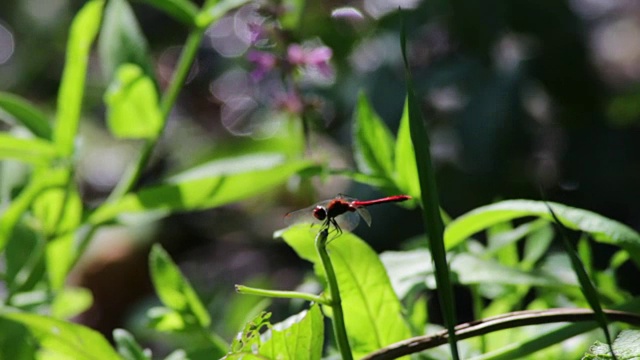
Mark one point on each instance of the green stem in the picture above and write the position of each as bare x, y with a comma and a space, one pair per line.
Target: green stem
168, 100
282, 294
134, 172
339, 328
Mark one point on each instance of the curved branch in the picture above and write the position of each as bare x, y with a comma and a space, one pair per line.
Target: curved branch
500, 322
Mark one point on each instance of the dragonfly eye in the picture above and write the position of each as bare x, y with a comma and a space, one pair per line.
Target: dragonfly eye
320, 213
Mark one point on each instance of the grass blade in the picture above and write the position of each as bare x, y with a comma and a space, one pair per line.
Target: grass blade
430, 204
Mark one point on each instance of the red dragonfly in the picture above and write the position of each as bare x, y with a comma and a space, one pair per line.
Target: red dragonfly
342, 212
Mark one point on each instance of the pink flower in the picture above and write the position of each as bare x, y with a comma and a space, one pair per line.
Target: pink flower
289, 101
317, 57
263, 61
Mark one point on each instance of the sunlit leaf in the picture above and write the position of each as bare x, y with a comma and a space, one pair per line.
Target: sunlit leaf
63, 340
625, 347
299, 337
26, 114
133, 110
599, 227
40, 181
128, 347
70, 302
34, 151
122, 41
174, 290
83, 31
373, 142
373, 313
199, 193
408, 269
406, 172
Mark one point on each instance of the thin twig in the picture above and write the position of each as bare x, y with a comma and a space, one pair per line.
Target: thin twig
500, 322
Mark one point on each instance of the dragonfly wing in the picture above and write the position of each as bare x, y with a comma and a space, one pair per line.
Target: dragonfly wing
364, 213
304, 216
348, 221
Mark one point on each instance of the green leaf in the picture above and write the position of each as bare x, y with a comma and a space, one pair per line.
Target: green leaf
41, 180
128, 347
63, 340
406, 171
189, 191
26, 114
15, 341
429, 200
166, 320
24, 256
625, 347
373, 142
34, 151
299, 337
408, 269
83, 31
372, 311
599, 227
70, 302
133, 110
174, 290
181, 10
122, 41
59, 210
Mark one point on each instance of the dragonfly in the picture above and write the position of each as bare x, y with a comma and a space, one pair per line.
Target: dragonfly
342, 212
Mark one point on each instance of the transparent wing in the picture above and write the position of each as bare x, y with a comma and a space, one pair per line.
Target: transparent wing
348, 221
304, 216
364, 213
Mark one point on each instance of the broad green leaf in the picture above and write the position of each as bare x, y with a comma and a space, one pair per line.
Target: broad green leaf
373, 313
128, 347
174, 290
83, 31
15, 341
58, 210
299, 337
25, 265
61, 253
166, 320
133, 110
625, 347
249, 339
599, 227
181, 10
408, 269
536, 246
70, 302
373, 142
63, 340
122, 41
26, 114
429, 201
34, 151
41, 180
406, 171
193, 193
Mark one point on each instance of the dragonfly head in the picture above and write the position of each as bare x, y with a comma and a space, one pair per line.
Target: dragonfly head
320, 213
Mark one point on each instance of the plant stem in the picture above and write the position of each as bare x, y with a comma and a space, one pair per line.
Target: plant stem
134, 172
168, 100
282, 294
339, 328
